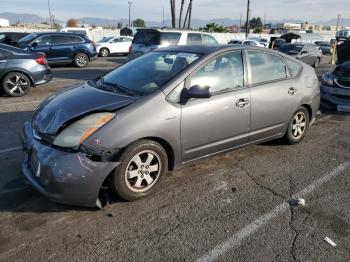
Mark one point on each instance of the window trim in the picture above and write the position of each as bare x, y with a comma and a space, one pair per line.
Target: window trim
245, 86
289, 75
249, 69
187, 43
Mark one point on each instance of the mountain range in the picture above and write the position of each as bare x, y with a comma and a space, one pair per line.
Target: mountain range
35, 19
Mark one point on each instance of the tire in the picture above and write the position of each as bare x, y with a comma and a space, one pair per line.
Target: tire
104, 52
143, 164
81, 60
16, 84
317, 62
297, 127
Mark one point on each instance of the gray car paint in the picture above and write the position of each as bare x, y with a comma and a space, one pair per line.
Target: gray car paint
192, 130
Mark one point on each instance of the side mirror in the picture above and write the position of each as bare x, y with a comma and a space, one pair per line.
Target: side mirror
303, 52
35, 44
198, 92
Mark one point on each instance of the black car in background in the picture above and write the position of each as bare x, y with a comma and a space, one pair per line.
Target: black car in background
325, 47
61, 48
308, 53
20, 70
11, 38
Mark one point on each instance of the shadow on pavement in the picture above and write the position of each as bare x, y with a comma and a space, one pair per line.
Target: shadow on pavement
80, 74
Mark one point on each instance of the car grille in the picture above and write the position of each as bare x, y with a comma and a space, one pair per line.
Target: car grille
343, 82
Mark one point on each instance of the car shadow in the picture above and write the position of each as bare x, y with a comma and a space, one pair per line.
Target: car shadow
80, 74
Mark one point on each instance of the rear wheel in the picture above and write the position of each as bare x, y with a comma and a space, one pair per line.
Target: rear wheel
16, 84
81, 60
143, 164
297, 127
104, 52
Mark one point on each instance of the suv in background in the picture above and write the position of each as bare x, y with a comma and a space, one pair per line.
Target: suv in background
307, 53
146, 40
343, 35
61, 48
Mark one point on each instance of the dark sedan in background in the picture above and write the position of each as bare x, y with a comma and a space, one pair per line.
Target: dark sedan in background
61, 48
335, 88
325, 47
307, 53
20, 70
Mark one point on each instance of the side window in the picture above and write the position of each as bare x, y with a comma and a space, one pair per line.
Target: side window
175, 95
266, 67
61, 39
209, 40
43, 40
170, 38
294, 68
194, 39
76, 39
116, 40
223, 73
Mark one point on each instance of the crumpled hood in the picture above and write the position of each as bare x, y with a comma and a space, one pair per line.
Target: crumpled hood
72, 103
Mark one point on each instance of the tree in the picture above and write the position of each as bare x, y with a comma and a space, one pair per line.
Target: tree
213, 27
139, 22
255, 23
72, 22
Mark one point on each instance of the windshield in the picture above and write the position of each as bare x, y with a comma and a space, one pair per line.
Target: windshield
27, 39
290, 48
105, 39
148, 73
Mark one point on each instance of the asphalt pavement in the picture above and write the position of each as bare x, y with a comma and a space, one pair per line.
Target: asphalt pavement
232, 207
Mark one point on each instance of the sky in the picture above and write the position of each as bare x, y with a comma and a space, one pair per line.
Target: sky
151, 10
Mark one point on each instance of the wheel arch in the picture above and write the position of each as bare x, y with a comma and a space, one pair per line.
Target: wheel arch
18, 70
309, 110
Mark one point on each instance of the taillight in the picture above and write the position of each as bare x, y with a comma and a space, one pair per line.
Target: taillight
41, 59
130, 49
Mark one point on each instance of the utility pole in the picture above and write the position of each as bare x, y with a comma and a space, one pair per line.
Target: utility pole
336, 29
247, 24
335, 46
130, 3
50, 15
163, 16
181, 11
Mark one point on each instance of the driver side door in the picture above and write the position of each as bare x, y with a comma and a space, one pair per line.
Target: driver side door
221, 122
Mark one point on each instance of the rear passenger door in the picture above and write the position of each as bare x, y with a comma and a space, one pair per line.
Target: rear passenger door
274, 95
62, 48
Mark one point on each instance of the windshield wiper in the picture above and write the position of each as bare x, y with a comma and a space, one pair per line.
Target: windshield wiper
119, 87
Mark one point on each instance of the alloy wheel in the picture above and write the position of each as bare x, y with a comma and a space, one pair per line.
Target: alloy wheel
299, 125
82, 60
104, 52
143, 171
17, 85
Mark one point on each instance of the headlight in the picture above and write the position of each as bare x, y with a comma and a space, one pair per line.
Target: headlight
327, 79
74, 134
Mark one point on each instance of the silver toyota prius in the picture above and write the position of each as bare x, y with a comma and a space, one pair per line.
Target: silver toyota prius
167, 108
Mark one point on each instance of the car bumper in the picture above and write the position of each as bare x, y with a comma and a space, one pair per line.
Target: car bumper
42, 77
335, 96
63, 177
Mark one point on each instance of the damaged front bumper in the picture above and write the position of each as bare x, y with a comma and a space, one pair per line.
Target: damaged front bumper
63, 177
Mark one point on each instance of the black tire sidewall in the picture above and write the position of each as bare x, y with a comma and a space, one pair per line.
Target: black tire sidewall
118, 179
11, 74
289, 138
77, 64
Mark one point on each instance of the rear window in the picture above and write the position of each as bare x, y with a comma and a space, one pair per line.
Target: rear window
169, 38
147, 38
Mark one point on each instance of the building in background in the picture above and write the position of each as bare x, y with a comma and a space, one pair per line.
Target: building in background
4, 22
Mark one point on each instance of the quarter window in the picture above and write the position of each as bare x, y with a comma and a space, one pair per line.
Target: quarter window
208, 39
224, 73
265, 67
293, 68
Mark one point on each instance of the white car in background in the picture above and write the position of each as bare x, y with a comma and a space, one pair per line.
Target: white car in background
114, 45
252, 43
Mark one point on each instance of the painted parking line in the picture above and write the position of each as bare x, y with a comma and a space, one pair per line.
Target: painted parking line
20, 103
12, 149
250, 229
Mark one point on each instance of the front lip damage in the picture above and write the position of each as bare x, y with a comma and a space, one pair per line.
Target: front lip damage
66, 178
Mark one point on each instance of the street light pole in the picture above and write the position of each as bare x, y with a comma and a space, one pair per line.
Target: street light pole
130, 3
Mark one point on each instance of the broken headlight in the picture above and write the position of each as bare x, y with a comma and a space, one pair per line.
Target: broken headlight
74, 134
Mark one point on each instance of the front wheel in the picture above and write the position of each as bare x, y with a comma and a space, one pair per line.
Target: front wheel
143, 164
297, 127
16, 84
81, 60
104, 52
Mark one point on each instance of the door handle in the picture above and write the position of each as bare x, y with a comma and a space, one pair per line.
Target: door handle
243, 102
2, 61
292, 91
